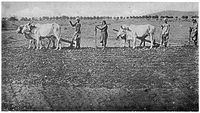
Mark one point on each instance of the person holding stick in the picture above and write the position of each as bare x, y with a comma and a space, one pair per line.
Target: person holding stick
165, 33
77, 35
193, 32
104, 33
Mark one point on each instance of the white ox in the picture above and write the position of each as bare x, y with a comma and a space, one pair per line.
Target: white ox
38, 31
31, 39
128, 33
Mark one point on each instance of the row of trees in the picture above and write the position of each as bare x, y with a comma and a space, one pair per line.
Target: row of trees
13, 18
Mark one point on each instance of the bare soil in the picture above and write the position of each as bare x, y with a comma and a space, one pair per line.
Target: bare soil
125, 79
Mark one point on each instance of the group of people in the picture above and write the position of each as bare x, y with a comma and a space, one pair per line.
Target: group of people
165, 30
193, 33
76, 38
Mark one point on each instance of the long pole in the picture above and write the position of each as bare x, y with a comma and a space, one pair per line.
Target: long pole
95, 37
190, 29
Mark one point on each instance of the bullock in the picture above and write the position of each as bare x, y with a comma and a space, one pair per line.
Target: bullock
32, 40
27, 36
128, 33
39, 31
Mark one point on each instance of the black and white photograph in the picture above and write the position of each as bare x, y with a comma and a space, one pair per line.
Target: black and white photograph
99, 56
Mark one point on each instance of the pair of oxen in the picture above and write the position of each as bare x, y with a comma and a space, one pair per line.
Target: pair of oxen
36, 32
131, 33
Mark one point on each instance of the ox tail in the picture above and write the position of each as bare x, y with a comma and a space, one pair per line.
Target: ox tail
59, 29
59, 37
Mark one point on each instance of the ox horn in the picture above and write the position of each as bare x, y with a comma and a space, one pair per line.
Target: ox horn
115, 30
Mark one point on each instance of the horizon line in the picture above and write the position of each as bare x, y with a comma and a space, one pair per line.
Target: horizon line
94, 15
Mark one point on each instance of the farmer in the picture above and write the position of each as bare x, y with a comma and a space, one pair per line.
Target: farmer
194, 32
104, 33
77, 35
165, 33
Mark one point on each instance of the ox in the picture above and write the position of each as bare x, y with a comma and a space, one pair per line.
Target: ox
39, 31
31, 39
128, 33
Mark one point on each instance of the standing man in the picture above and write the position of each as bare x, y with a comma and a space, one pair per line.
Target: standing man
77, 35
165, 33
104, 33
194, 32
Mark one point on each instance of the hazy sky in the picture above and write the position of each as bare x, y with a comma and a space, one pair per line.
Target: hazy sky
37, 9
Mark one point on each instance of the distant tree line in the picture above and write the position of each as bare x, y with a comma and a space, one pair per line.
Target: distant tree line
13, 18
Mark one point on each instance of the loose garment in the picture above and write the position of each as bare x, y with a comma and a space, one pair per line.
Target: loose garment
194, 33
165, 34
104, 34
77, 35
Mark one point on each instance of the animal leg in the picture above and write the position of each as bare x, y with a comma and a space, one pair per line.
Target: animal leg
134, 42
151, 39
30, 42
40, 43
34, 43
58, 43
60, 46
141, 43
49, 41
143, 39
144, 43
129, 43
53, 42
37, 45
163, 40
123, 41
